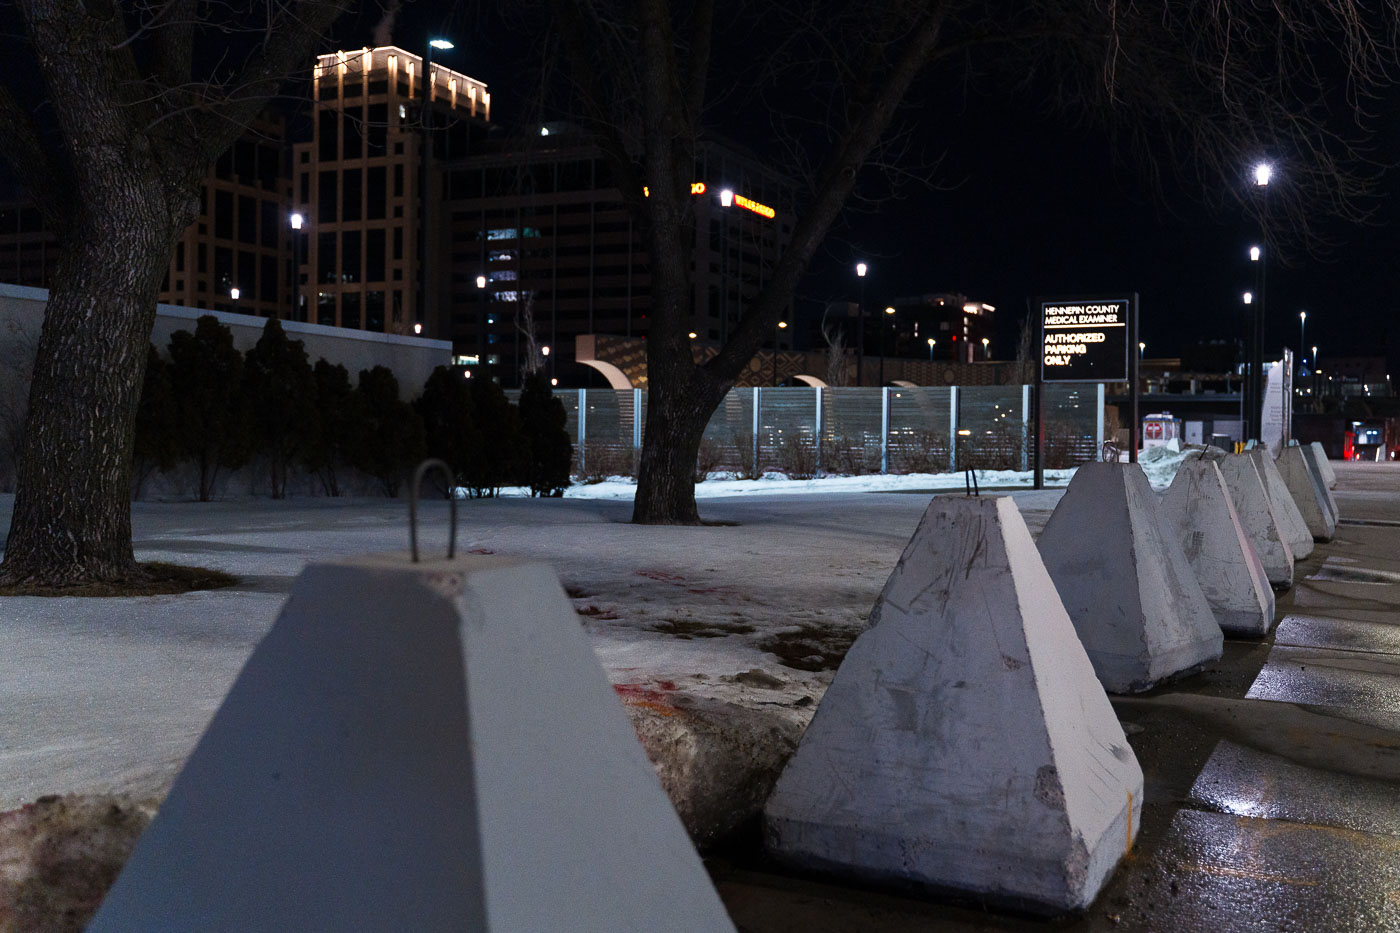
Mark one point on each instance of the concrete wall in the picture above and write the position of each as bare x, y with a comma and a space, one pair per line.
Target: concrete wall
411, 358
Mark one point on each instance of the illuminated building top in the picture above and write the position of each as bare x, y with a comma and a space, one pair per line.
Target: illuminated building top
445, 85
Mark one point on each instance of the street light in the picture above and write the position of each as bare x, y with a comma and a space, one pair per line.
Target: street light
985, 351
1254, 254
782, 325
424, 167
861, 269
882, 347
1302, 325
1142, 347
1263, 173
298, 221
233, 293
931, 342
1249, 298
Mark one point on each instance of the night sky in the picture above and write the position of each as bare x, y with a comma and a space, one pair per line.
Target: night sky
1028, 206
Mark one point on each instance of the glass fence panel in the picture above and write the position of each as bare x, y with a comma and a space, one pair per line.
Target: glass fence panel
787, 431
608, 425
919, 427
850, 431
1071, 424
991, 429
727, 444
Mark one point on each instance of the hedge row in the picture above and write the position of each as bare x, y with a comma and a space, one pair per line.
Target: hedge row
209, 405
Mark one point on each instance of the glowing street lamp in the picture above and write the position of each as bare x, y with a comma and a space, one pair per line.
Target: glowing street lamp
234, 293
931, 342
985, 351
1302, 325
1249, 298
726, 198
861, 269
1142, 348
1262, 173
1254, 253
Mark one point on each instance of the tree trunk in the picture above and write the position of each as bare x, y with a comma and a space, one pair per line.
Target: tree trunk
677, 411
72, 515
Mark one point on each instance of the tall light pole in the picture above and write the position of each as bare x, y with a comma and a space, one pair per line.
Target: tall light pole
298, 312
1263, 173
782, 325
986, 352
424, 165
931, 342
889, 311
1302, 325
1142, 347
1316, 385
861, 269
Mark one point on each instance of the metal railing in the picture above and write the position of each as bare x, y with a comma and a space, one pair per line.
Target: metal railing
808, 431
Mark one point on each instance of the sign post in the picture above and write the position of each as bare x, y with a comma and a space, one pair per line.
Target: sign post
1087, 339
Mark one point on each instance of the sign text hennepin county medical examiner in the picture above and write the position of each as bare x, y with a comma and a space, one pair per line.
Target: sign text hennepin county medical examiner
1084, 341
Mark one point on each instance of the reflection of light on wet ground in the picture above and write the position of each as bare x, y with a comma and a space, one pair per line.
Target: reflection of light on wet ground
1333, 573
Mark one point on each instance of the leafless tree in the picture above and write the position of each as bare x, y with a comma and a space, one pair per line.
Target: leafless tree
133, 100
835, 353
1192, 88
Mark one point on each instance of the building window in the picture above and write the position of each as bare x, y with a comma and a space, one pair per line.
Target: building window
325, 308
327, 133
350, 199
326, 199
247, 219
351, 123
376, 193
325, 257
350, 309
223, 215
374, 256
374, 311
350, 260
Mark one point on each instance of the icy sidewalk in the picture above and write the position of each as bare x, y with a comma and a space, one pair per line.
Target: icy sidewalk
721, 639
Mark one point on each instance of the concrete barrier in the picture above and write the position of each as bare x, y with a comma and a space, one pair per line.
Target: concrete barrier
1307, 492
1200, 508
1285, 509
1125, 582
964, 743
425, 746
1319, 477
1256, 513
1324, 466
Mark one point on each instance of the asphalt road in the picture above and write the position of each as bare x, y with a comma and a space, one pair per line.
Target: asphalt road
1272, 798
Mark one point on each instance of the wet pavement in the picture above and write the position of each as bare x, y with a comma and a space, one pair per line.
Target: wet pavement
1272, 797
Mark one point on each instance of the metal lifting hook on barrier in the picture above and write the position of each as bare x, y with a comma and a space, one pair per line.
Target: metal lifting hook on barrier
413, 489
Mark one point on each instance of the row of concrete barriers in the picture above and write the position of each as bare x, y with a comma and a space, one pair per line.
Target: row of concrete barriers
967, 742
434, 746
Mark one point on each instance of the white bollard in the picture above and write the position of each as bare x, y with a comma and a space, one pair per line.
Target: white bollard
1324, 466
1290, 520
1125, 582
1231, 576
1307, 492
1319, 476
1256, 513
418, 746
964, 742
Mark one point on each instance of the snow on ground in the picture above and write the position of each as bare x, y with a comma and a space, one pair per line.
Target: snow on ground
754, 610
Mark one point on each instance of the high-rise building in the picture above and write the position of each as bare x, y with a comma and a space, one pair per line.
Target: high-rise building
356, 186
234, 256
940, 326
541, 238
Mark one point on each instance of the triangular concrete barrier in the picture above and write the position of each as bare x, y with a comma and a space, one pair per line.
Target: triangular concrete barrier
964, 743
1123, 579
1324, 465
423, 747
1199, 506
1307, 492
1256, 513
1315, 467
1290, 520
